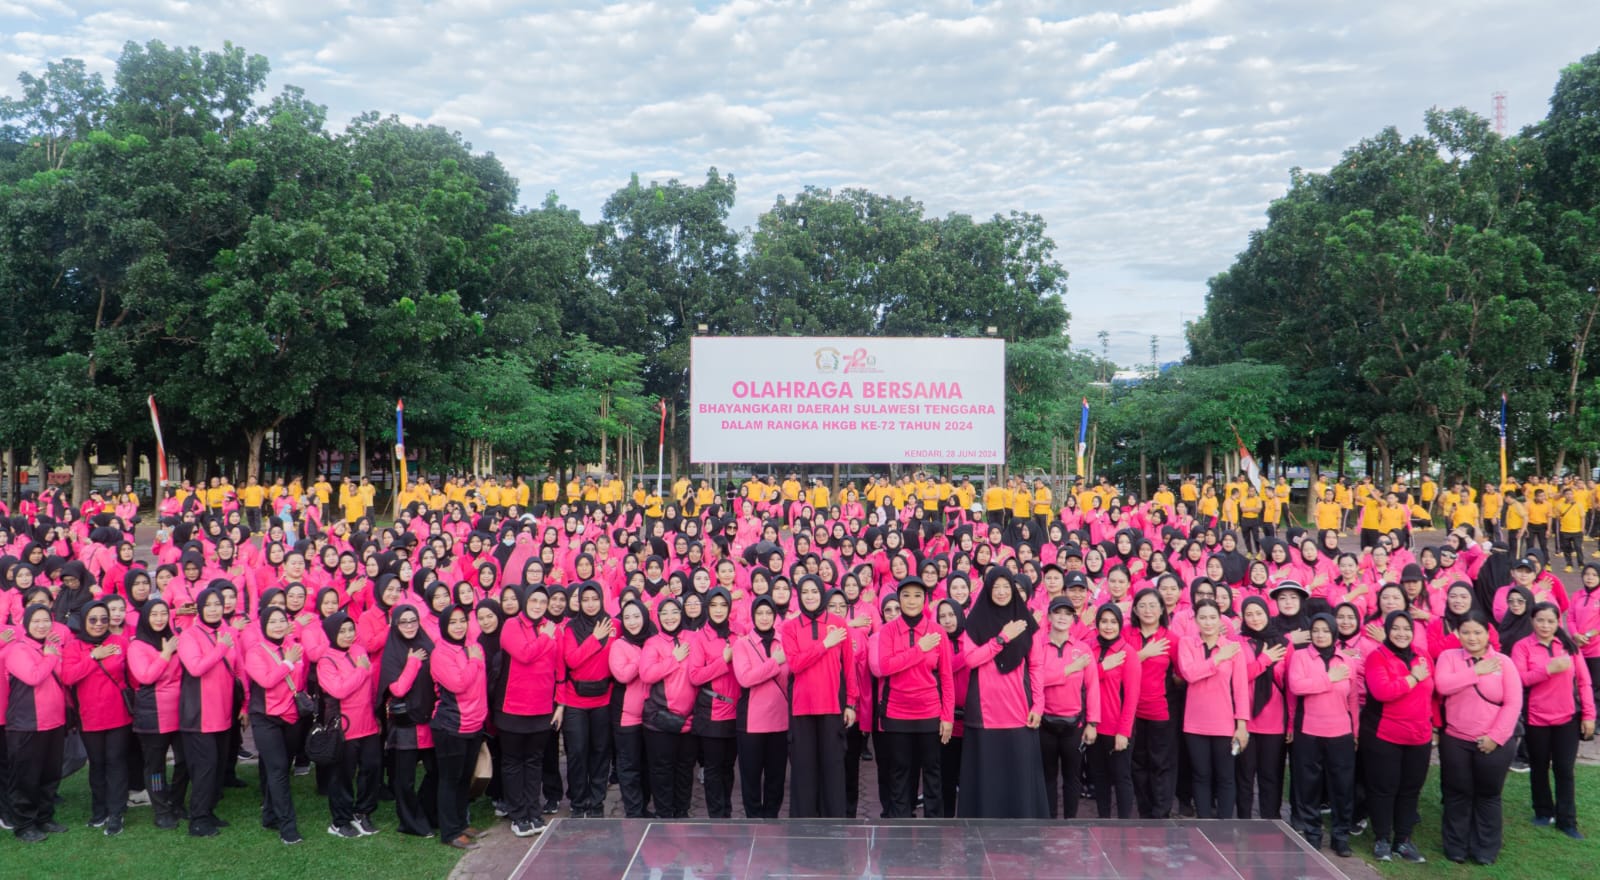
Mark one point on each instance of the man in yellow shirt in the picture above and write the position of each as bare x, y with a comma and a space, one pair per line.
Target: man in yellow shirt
350, 499
324, 489
791, 492
1568, 511
1188, 492
704, 496
1345, 498
574, 490
550, 492
994, 503
1164, 498
967, 492
1371, 520
1328, 514
1489, 511
251, 498
1430, 492
818, 497
1539, 521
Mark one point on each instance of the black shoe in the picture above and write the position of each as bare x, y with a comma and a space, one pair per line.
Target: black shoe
203, 831
220, 822
53, 827
364, 825
166, 823
32, 835
1573, 833
1342, 850
245, 754
97, 823
1408, 851
235, 782
551, 808
346, 831
1484, 862
290, 839
1544, 821
113, 826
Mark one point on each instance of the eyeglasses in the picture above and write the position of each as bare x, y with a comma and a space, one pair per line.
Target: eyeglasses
98, 619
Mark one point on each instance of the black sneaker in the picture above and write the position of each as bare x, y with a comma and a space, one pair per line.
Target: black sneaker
53, 827
363, 824
1408, 851
166, 823
523, 829
1382, 851
1343, 850
97, 823
344, 831
203, 831
32, 835
551, 808
1519, 766
290, 839
113, 826
1544, 821
246, 755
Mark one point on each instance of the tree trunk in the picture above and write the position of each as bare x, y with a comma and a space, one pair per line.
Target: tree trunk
362, 452
80, 476
313, 459
1206, 467
11, 478
476, 459
605, 401
1144, 481
253, 467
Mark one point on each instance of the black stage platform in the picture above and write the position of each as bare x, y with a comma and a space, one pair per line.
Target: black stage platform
591, 849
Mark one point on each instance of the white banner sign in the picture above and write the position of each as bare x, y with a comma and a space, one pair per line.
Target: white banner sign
824, 400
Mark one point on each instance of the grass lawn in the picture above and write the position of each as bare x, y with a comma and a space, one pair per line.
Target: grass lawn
243, 851
1543, 853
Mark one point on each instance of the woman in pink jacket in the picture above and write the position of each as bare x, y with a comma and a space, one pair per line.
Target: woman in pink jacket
157, 677
763, 719
714, 724
345, 674
915, 707
628, 730
1216, 710
1560, 699
822, 706
36, 724
1259, 766
669, 748
1118, 668
1482, 701
1323, 754
205, 709
585, 697
94, 665
1396, 736
277, 668
461, 680
1004, 706
1071, 708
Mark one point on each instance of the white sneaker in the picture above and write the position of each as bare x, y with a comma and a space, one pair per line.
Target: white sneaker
138, 798
523, 829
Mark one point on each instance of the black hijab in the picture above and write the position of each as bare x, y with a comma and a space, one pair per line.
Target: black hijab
675, 634
579, 624
1407, 654
1327, 654
724, 629
645, 632
1516, 627
145, 633
768, 636
1260, 640
330, 628
987, 619
80, 625
396, 651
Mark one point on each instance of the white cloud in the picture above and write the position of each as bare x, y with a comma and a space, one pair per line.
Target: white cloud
1150, 136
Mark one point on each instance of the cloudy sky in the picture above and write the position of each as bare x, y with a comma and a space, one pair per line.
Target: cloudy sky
1150, 134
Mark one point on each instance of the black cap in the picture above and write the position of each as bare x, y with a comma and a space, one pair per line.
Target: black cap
1524, 563
1412, 572
1076, 579
1063, 602
910, 583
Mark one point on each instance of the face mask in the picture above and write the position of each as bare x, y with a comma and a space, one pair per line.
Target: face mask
508, 540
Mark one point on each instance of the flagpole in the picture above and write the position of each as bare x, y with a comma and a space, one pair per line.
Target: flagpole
161, 449
1502, 440
400, 450
661, 451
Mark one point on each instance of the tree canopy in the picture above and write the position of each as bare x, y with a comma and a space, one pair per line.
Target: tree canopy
277, 283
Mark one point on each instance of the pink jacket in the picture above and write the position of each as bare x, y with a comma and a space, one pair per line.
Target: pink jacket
996, 700
1323, 707
37, 700
624, 663
1583, 618
583, 661
209, 673
708, 669
1405, 716
274, 680
657, 666
1551, 697
462, 684
913, 684
1070, 694
1273, 719
1478, 705
765, 704
97, 686
1219, 692
534, 657
341, 678
158, 681
819, 671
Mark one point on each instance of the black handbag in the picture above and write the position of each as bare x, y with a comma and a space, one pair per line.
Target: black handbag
304, 704
326, 740
657, 716
597, 688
